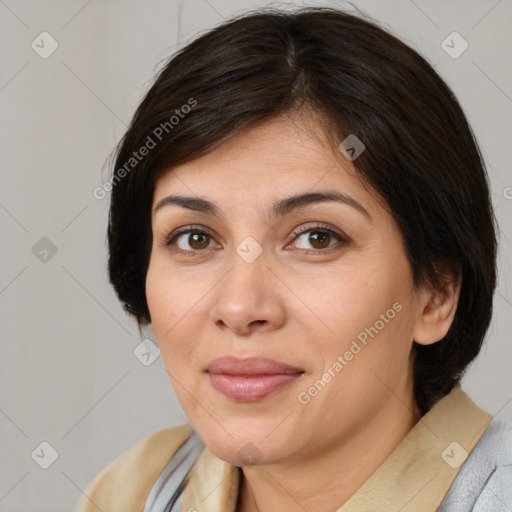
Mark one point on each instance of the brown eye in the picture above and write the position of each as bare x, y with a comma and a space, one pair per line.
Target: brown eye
198, 240
189, 240
318, 239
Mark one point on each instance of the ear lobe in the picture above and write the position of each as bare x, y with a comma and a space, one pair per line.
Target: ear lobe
437, 311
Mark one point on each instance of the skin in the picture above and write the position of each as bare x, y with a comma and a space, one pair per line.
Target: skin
301, 302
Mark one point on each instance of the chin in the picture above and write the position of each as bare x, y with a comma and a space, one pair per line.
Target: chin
243, 450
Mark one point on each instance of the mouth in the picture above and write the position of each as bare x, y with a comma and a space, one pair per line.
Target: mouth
252, 379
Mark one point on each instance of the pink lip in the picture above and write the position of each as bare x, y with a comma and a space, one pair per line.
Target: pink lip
248, 380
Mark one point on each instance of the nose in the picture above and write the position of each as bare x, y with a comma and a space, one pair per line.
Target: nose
248, 297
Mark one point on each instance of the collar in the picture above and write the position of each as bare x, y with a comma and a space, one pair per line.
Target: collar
414, 478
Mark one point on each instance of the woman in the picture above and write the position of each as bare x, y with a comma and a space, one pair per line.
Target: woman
301, 214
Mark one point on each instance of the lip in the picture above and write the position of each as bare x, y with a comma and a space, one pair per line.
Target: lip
250, 379
250, 366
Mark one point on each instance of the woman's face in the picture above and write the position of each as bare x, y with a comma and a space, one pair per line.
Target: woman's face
321, 286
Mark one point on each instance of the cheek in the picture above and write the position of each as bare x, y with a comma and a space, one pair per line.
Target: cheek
365, 314
343, 303
172, 292
172, 302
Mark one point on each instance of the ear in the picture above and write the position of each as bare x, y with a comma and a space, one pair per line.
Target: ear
437, 311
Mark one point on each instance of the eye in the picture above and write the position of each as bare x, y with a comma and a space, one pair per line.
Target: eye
197, 239
318, 238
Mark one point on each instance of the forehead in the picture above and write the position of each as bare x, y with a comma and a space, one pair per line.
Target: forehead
285, 152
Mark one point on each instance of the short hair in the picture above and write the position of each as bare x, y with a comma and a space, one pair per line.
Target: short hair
421, 156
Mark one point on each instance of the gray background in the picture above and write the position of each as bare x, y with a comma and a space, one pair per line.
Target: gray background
68, 373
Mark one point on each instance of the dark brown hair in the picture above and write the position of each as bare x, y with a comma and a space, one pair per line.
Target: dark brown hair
421, 156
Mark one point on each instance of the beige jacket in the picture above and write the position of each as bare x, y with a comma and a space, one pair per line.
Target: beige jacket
414, 478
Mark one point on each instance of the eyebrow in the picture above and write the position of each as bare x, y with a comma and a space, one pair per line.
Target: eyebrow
278, 209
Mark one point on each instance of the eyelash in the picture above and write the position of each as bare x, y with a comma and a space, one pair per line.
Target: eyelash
319, 227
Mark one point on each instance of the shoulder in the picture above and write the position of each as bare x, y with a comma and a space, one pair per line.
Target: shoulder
485, 479
125, 483
495, 448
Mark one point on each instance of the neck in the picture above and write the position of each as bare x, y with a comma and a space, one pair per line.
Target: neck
329, 479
